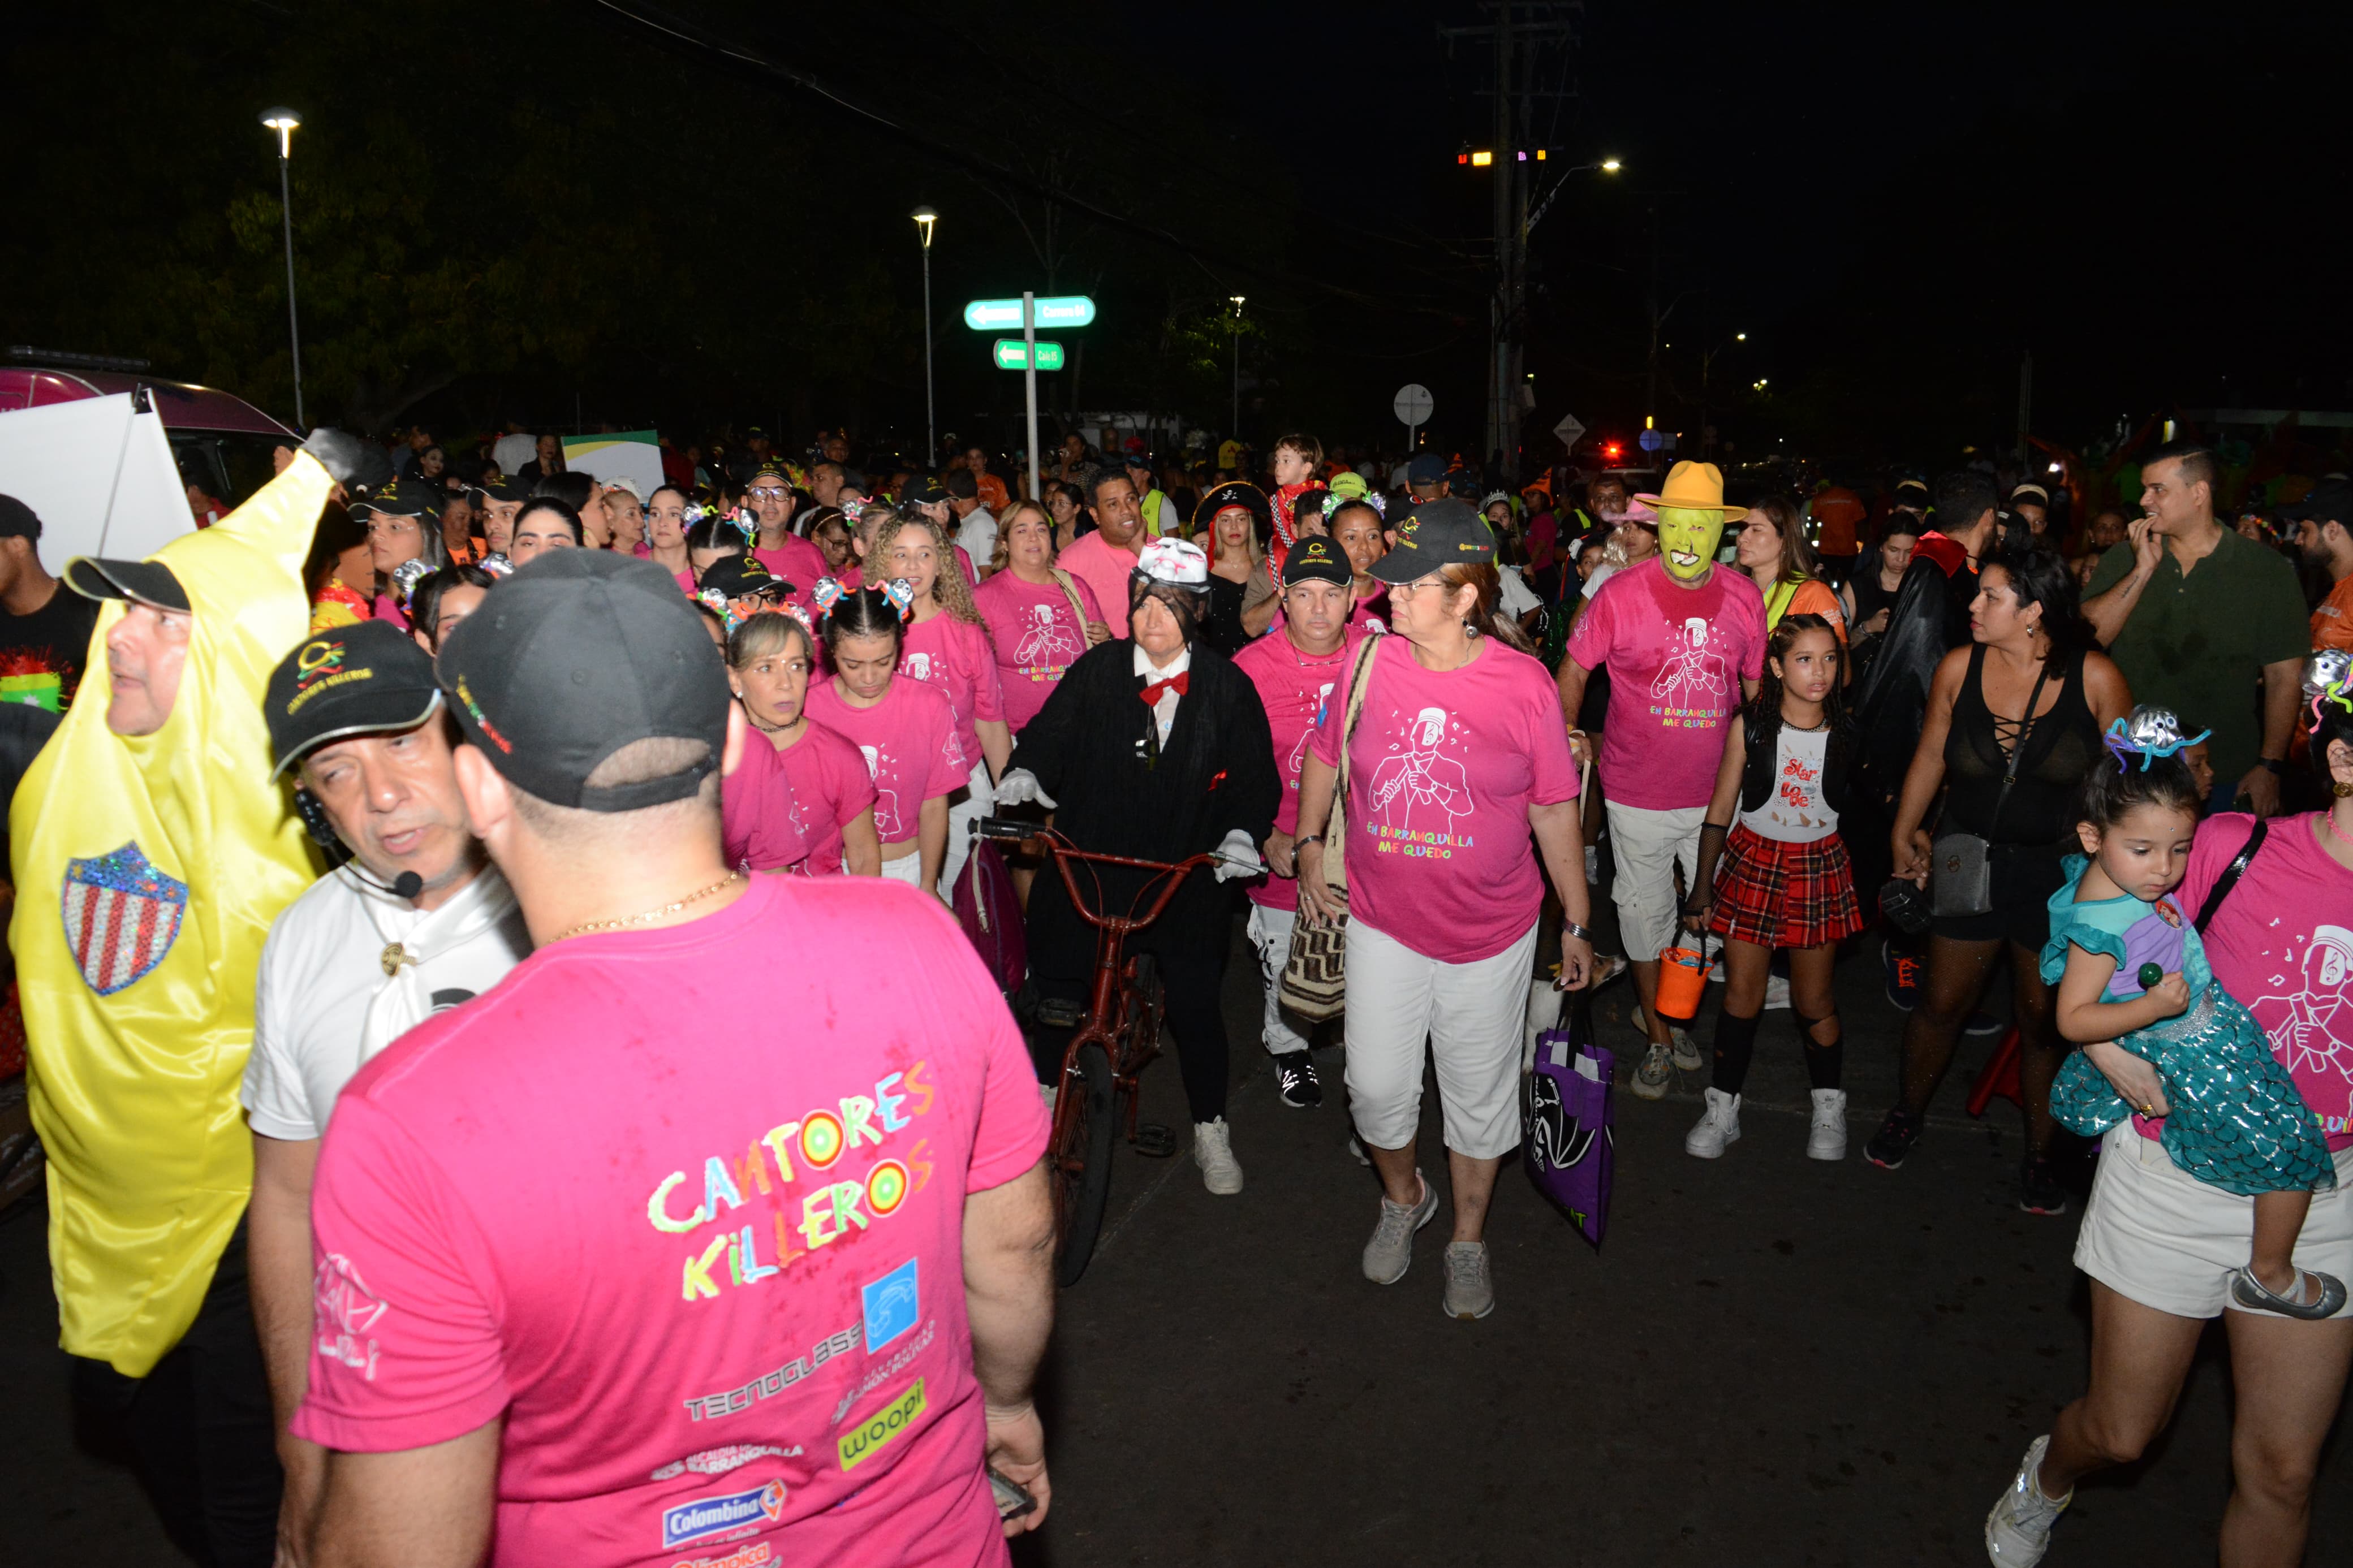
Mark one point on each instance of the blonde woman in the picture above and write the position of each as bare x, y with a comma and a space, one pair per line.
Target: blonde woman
947, 647
1040, 619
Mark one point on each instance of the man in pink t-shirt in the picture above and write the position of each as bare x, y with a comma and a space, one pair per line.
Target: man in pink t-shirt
1104, 559
728, 1283
1295, 668
1685, 647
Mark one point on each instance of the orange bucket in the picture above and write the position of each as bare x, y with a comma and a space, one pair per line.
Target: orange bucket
1683, 980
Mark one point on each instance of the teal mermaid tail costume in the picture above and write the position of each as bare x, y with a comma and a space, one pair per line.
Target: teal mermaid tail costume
2236, 1121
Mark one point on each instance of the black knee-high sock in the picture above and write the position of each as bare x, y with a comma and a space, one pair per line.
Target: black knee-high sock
1736, 1042
1825, 1063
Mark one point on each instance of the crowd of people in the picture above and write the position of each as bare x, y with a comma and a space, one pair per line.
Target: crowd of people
582, 762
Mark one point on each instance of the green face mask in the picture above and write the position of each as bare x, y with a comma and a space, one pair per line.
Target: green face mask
1688, 540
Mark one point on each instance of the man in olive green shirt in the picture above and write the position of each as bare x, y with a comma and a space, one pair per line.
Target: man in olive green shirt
2197, 618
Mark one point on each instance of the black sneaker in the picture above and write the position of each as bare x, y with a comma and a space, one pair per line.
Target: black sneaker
2038, 1191
1294, 1075
1893, 1140
1984, 1026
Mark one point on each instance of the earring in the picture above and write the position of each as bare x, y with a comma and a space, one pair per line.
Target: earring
2340, 789
1468, 630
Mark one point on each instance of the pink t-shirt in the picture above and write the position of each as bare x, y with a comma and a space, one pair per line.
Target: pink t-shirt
1037, 637
1106, 570
908, 741
2282, 946
760, 825
1294, 688
1443, 769
797, 561
1677, 656
387, 609
736, 1333
686, 583
831, 788
954, 658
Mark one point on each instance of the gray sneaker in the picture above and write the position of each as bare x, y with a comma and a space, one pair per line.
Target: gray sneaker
1470, 1289
1657, 1071
1390, 1252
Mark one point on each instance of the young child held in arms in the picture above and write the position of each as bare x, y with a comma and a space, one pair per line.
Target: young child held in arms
2130, 968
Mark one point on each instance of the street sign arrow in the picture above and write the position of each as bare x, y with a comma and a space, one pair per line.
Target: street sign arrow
1059, 311
1011, 354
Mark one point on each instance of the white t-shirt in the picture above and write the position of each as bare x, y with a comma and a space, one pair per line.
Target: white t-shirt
320, 967
511, 452
977, 537
1601, 573
1795, 813
1517, 598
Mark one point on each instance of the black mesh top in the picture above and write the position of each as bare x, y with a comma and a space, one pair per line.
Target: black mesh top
2060, 750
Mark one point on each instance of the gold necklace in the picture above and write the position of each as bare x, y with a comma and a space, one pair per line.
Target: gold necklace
722, 885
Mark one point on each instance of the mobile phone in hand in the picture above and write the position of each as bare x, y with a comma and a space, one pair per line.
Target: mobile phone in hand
1013, 1499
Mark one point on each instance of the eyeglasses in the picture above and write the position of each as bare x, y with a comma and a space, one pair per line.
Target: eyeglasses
767, 493
1417, 586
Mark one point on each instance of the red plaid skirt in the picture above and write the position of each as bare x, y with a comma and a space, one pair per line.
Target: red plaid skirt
1775, 894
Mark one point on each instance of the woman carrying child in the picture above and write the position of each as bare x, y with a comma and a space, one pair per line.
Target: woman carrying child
1783, 879
2166, 1245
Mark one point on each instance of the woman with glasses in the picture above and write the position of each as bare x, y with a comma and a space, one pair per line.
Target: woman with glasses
1456, 758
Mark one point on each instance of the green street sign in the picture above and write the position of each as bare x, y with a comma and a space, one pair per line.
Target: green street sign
1013, 354
1061, 311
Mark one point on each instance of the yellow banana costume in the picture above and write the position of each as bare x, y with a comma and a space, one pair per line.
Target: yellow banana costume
148, 871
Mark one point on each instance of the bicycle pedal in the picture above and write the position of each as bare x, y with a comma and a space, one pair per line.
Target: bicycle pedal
1153, 1140
1055, 1014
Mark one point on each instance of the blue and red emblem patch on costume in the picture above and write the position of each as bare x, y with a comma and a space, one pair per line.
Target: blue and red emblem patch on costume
121, 917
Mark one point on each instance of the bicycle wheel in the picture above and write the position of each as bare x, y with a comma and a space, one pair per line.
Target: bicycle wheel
1082, 1164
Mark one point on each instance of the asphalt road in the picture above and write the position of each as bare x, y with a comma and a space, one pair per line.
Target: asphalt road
1771, 1361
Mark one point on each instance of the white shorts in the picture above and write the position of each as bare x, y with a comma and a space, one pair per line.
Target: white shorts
2155, 1234
907, 868
977, 802
1646, 844
1471, 1014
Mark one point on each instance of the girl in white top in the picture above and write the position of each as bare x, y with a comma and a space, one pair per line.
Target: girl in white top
1783, 879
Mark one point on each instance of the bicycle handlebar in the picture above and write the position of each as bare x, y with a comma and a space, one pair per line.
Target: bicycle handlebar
1064, 852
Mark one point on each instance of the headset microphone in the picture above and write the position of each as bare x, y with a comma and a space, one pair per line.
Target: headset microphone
407, 884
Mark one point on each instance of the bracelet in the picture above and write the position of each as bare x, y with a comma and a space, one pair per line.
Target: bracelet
1304, 839
1570, 928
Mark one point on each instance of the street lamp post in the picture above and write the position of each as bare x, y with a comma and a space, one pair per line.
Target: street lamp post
925, 218
1234, 432
283, 121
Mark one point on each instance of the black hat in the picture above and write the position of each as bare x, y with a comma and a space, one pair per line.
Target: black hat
1138, 459
148, 582
19, 521
1240, 493
1316, 559
737, 575
924, 492
578, 655
395, 499
1902, 485
2330, 500
1427, 469
1435, 534
360, 680
504, 489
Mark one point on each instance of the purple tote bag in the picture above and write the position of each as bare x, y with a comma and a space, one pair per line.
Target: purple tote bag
1566, 1122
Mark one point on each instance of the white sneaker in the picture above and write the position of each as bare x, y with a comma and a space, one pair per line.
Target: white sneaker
1657, 1071
1777, 991
2018, 1530
1826, 1135
1718, 1127
1213, 1151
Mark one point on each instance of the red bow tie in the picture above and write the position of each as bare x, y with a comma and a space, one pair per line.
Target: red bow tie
1179, 683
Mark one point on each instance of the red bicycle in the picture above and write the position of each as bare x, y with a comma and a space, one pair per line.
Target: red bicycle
1117, 1036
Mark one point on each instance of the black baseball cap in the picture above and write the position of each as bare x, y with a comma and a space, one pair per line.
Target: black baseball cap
361, 679
1427, 469
736, 576
2329, 500
19, 521
505, 489
924, 492
1316, 559
578, 655
395, 499
1435, 534
147, 582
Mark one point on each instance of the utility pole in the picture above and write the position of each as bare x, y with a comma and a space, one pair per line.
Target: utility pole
1531, 39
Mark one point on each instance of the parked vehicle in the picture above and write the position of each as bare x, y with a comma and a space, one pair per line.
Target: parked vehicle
219, 440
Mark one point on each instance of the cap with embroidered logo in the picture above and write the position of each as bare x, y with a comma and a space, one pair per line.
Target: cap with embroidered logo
1435, 534
364, 680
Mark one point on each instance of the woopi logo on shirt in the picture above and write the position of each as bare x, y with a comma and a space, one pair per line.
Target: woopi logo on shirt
883, 1428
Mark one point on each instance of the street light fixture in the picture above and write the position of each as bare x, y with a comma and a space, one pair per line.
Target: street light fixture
925, 218
284, 121
1235, 431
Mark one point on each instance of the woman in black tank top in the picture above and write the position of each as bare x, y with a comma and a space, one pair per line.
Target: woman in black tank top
2013, 726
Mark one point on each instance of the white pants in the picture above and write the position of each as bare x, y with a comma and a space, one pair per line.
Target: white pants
1471, 1014
1270, 932
1646, 846
907, 868
978, 801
